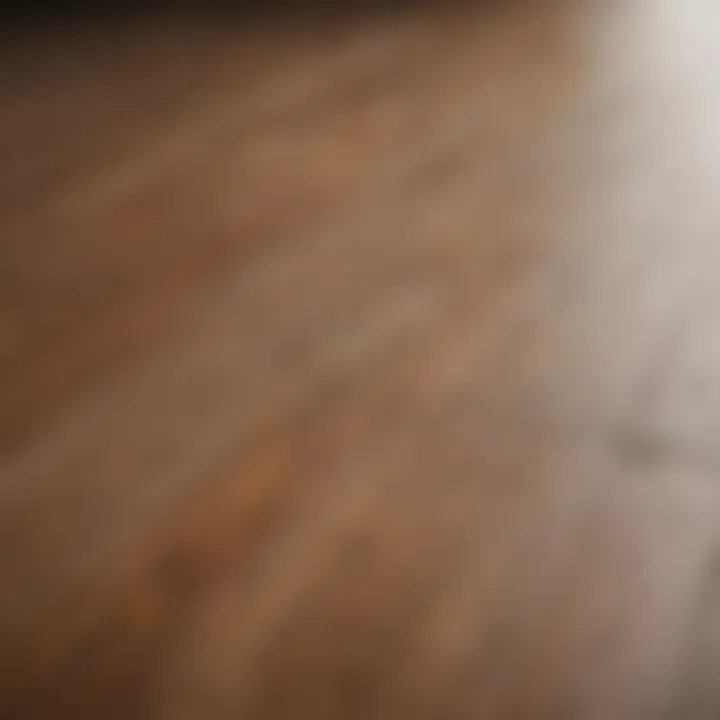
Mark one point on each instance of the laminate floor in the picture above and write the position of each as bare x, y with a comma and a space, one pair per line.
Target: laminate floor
362, 363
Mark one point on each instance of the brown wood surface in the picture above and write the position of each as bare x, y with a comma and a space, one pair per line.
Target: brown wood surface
362, 363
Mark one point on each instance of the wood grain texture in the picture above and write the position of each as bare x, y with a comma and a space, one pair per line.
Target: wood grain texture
362, 364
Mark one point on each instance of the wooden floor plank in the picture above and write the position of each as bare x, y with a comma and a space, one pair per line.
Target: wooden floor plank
361, 364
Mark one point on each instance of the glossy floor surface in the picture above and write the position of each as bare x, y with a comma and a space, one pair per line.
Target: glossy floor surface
362, 364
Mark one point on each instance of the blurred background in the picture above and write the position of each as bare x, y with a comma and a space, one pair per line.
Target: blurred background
357, 360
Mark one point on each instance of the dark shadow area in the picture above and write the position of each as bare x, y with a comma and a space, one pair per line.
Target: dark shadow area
23, 17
